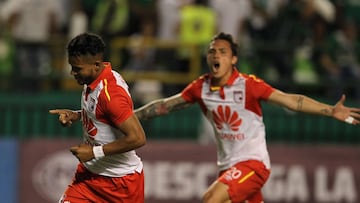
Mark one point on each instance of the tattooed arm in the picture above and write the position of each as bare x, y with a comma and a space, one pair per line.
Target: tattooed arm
302, 103
161, 107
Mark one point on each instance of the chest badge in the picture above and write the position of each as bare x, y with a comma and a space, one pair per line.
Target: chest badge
92, 104
238, 96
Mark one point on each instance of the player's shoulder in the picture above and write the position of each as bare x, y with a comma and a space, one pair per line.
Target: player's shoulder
114, 89
250, 77
204, 78
200, 79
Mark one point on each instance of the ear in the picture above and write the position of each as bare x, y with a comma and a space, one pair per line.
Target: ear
97, 65
234, 60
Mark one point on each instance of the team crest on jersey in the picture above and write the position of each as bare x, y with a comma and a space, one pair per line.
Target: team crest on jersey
92, 104
238, 96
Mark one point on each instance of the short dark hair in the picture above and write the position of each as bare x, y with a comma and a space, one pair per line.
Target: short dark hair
229, 38
86, 43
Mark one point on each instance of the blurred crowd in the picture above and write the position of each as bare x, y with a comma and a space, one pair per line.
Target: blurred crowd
312, 44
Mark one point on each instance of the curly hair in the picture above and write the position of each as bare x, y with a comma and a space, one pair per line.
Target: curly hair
86, 44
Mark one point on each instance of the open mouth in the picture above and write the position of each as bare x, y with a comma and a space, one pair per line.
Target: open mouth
216, 65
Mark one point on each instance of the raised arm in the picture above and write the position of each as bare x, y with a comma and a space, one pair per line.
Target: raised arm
302, 103
161, 107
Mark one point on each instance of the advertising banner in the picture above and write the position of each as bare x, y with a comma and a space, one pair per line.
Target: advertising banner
180, 172
47, 167
8, 170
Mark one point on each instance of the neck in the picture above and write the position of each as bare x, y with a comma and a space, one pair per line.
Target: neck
223, 80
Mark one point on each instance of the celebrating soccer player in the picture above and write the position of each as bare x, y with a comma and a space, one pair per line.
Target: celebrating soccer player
231, 101
109, 168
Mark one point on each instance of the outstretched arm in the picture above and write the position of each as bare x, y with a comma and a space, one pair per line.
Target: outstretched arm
161, 107
302, 103
66, 116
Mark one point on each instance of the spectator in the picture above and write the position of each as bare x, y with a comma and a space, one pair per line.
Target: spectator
32, 23
78, 20
6, 58
78, 23
347, 9
168, 20
309, 68
271, 30
142, 58
168, 15
112, 18
231, 16
283, 34
197, 25
89, 7
340, 60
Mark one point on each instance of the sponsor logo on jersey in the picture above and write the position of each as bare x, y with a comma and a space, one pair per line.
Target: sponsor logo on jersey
225, 118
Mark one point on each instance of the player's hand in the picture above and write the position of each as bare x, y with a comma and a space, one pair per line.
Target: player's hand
66, 116
82, 152
346, 114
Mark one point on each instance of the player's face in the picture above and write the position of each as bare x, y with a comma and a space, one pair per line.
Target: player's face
220, 60
83, 68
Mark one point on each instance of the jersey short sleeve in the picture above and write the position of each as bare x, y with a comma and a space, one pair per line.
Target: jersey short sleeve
258, 87
192, 92
117, 105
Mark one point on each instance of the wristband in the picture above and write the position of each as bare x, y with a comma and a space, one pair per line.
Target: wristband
98, 152
349, 119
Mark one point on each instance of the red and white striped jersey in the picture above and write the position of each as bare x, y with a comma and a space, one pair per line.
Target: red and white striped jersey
105, 103
234, 111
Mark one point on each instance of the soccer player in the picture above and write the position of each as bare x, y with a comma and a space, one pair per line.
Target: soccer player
231, 101
109, 168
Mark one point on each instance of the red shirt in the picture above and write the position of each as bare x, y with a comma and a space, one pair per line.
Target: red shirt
105, 103
234, 110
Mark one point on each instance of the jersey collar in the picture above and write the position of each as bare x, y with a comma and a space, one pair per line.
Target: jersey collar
104, 74
234, 75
